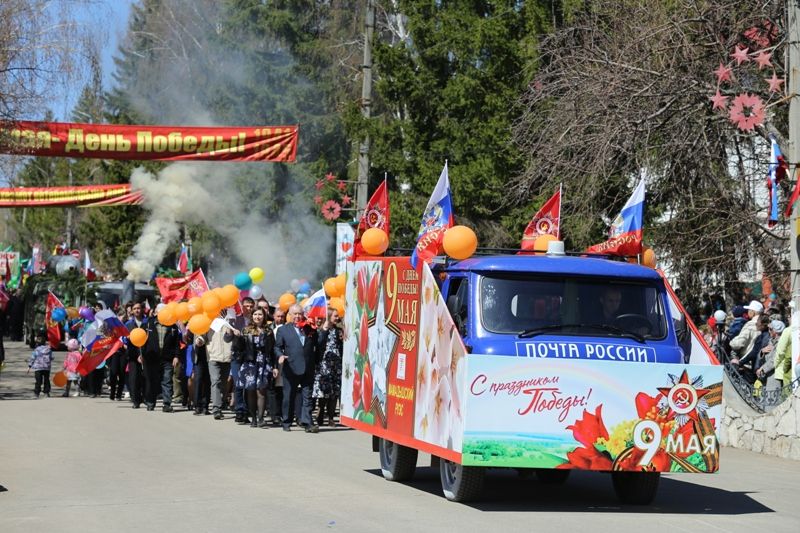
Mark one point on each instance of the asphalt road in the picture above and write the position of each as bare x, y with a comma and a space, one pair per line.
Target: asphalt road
83, 464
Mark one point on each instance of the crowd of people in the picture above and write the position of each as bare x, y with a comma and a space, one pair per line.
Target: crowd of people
756, 341
267, 366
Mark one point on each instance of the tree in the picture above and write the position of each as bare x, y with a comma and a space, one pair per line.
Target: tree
40, 45
448, 79
624, 91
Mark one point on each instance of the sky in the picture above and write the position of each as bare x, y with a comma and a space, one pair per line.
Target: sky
109, 18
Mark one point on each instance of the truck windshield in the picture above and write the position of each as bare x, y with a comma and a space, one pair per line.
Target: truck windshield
571, 306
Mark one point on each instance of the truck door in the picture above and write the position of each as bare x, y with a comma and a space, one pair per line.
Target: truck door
457, 298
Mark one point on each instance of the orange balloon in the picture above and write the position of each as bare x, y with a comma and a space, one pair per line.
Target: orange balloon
340, 283
286, 301
166, 316
460, 242
182, 312
195, 305
330, 287
648, 257
375, 241
138, 337
199, 324
59, 379
338, 304
540, 244
230, 295
211, 303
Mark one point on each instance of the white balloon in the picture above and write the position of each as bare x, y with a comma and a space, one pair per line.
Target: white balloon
256, 292
295, 285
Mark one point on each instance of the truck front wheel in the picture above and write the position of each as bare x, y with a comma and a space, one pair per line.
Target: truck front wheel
636, 488
461, 483
398, 463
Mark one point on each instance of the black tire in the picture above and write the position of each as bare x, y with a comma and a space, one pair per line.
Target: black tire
636, 488
552, 476
398, 463
461, 483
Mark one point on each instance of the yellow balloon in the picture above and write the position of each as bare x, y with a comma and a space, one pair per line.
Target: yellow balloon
256, 274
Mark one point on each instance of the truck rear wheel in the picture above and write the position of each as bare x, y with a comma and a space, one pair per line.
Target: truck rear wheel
636, 488
398, 463
461, 483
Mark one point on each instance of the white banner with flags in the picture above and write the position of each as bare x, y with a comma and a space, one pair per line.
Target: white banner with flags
345, 236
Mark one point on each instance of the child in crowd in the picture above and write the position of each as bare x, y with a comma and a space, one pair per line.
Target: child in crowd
40, 361
71, 361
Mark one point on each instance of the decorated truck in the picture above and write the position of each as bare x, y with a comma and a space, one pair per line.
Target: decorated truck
540, 363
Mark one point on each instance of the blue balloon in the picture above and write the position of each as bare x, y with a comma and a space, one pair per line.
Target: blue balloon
305, 288
59, 314
243, 281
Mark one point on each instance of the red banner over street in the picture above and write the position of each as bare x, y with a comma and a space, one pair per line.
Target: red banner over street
166, 143
82, 196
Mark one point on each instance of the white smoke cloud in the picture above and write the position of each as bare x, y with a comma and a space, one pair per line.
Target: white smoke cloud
296, 246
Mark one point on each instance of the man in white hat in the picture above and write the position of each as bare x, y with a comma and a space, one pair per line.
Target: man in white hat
744, 341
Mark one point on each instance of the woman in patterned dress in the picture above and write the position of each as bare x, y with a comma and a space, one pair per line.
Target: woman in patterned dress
254, 346
328, 377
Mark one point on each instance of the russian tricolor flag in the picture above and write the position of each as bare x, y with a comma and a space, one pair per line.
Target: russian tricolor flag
317, 305
109, 321
625, 235
775, 160
438, 217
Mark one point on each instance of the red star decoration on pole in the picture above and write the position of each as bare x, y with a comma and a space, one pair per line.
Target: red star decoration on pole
774, 83
740, 55
763, 59
682, 395
723, 73
720, 102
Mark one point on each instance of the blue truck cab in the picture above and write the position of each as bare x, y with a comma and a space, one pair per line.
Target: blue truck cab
561, 307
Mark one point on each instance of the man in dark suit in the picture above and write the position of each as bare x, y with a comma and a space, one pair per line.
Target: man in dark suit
160, 355
296, 348
134, 363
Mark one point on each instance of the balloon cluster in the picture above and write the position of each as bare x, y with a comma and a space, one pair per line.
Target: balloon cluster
334, 289
247, 282
198, 311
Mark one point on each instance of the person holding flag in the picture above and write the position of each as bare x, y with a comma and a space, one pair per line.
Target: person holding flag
546, 221
437, 218
625, 236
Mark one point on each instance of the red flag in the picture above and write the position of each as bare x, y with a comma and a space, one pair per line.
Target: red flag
376, 215
792, 198
53, 329
546, 221
177, 289
102, 349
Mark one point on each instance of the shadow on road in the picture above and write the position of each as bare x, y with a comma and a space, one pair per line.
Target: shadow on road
505, 491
